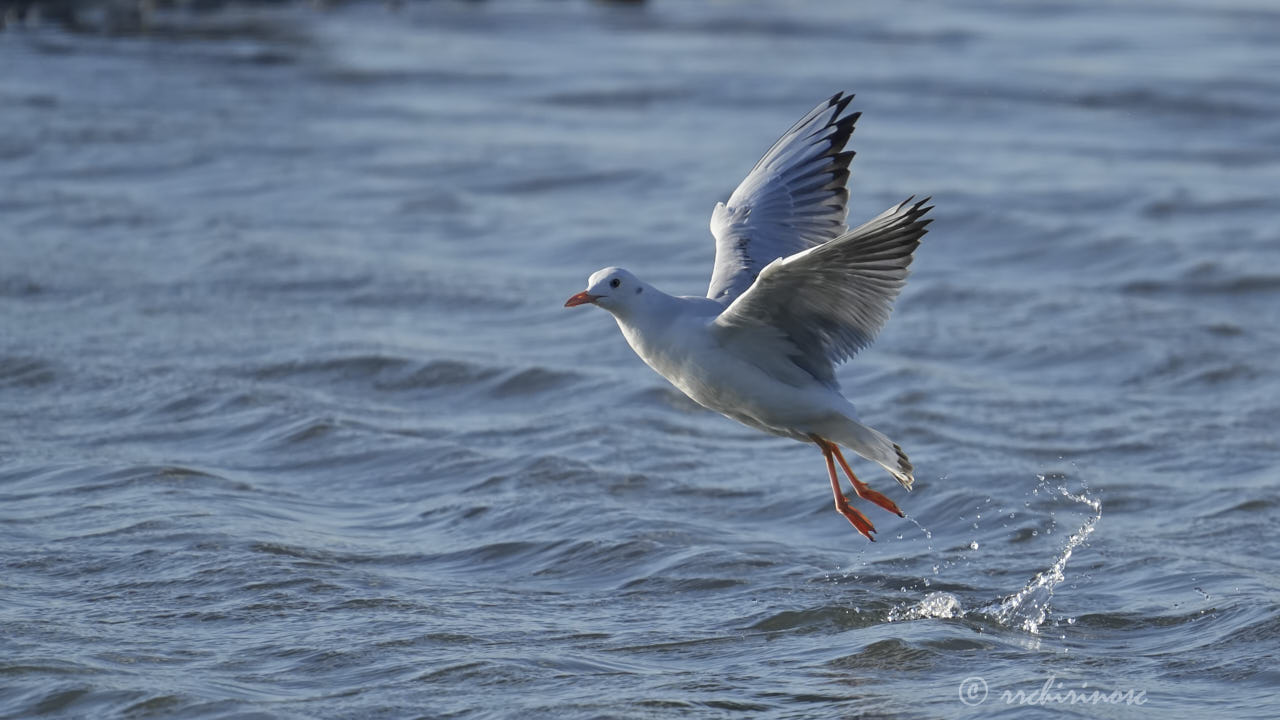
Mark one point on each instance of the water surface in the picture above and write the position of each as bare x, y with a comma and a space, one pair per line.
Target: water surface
292, 422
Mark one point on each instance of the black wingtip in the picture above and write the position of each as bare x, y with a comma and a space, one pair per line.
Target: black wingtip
844, 125
840, 96
840, 103
916, 208
921, 208
841, 129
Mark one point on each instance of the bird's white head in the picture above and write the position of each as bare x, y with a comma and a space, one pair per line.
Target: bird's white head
612, 288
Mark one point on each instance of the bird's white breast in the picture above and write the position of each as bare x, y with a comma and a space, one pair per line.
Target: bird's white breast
689, 354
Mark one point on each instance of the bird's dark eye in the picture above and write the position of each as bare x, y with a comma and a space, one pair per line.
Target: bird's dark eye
615, 283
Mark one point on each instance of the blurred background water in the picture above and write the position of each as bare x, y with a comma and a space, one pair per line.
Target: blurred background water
293, 424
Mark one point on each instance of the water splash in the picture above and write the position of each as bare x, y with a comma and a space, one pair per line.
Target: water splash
938, 605
1028, 608
928, 534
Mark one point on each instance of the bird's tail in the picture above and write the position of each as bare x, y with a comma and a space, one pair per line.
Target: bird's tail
872, 445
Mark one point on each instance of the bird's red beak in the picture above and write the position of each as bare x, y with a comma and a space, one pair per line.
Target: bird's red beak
581, 298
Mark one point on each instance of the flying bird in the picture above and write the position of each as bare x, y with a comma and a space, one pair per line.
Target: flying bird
793, 293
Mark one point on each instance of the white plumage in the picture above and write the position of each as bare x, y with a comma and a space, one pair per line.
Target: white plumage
793, 294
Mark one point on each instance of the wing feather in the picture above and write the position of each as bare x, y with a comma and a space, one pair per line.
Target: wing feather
824, 304
793, 199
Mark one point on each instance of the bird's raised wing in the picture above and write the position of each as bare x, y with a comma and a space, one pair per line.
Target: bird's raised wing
822, 305
793, 199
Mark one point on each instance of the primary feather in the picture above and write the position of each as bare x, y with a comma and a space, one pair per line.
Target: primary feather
829, 301
794, 198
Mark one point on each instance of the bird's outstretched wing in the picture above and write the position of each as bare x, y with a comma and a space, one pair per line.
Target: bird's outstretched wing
794, 198
822, 305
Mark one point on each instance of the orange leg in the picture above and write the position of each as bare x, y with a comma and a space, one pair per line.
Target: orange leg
860, 521
864, 490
